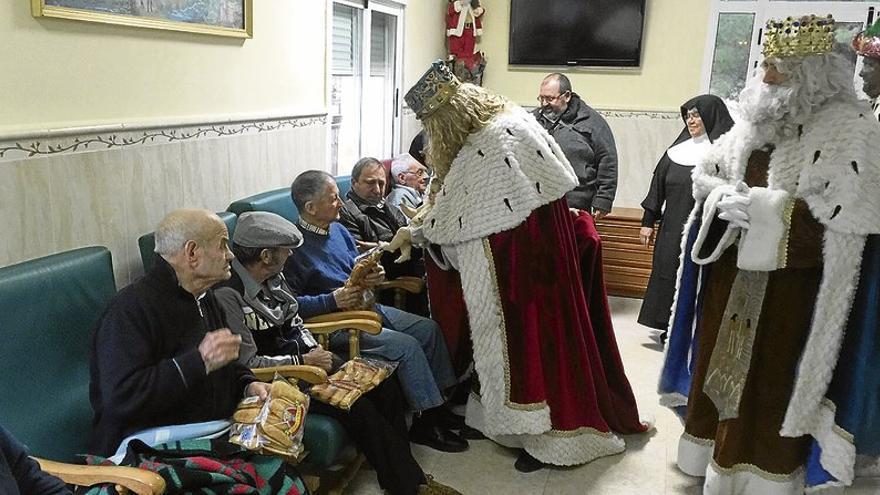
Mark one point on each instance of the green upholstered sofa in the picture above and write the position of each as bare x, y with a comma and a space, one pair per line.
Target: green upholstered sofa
48, 307
276, 201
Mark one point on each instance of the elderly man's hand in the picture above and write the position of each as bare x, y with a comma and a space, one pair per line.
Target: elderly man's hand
219, 348
599, 214
347, 297
320, 358
258, 389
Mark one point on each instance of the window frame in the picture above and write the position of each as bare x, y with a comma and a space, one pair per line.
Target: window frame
843, 11
395, 8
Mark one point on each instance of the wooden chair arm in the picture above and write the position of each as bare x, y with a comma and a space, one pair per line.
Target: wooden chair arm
311, 374
366, 326
413, 285
139, 481
345, 315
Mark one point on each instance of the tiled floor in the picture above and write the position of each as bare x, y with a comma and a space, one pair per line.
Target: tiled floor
646, 468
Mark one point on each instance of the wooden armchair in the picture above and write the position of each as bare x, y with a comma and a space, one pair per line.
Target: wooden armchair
126, 479
402, 285
329, 479
354, 322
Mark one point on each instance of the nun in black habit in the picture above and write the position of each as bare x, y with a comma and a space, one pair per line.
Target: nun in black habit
670, 201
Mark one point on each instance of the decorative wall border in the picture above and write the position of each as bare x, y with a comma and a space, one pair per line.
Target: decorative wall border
645, 114
617, 113
85, 139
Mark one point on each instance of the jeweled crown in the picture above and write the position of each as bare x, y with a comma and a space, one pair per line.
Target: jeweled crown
808, 35
434, 89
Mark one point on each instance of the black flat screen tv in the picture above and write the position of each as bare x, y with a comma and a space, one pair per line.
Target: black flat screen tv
605, 33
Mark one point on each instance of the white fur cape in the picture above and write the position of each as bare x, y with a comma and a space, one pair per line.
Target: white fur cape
501, 175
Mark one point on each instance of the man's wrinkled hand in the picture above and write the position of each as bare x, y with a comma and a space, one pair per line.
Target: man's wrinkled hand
403, 241
258, 389
319, 357
219, 348
347, 297
599, 214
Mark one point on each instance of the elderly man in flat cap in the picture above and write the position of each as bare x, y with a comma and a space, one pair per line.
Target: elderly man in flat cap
261, 308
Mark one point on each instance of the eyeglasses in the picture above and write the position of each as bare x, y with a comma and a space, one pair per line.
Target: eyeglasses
548, 99
420, 173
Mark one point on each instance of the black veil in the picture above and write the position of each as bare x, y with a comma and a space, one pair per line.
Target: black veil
713, 111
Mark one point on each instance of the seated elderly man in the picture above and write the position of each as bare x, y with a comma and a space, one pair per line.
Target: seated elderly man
162, 353
410, 182
317, 272
371, 219
261, 308
365, 213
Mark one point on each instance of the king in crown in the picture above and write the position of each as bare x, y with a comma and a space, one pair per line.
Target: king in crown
779, 281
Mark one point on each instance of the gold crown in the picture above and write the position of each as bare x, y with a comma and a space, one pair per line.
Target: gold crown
433, 90
808, 35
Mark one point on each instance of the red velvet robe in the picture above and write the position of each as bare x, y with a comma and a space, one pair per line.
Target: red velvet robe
560, 350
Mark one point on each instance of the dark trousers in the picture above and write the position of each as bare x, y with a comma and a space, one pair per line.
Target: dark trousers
377, 425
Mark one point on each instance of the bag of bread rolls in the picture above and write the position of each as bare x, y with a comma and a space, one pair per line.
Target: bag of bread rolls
353, 379
274, 425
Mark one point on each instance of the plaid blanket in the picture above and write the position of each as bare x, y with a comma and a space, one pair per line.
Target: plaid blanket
209, 467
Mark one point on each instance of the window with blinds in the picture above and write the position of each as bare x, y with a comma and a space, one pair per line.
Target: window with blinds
379, 56
346, 34
364, 74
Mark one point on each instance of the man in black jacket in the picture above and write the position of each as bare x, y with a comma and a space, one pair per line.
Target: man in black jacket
371, 220
161, 353
586, 140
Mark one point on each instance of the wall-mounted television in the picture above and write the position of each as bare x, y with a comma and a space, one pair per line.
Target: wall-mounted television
604, 33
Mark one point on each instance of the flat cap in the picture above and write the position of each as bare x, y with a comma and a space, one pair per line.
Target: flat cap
261, 229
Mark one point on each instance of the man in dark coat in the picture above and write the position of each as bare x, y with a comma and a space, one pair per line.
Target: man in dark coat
370, 220
586, 141
161, 353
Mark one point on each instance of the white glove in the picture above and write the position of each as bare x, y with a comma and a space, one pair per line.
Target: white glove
403, 241
734, 208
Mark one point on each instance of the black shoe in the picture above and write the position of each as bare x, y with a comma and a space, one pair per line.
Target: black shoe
449, 420
437, 438
525, 463
469, 433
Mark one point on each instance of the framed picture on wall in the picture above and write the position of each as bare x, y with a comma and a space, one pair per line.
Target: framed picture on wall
216, 17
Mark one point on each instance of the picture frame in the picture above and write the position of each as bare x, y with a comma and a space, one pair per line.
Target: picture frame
231, 18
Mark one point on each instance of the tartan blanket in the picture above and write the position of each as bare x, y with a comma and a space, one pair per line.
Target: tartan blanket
207, 467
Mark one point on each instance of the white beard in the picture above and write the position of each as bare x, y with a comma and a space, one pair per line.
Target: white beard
765, 104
